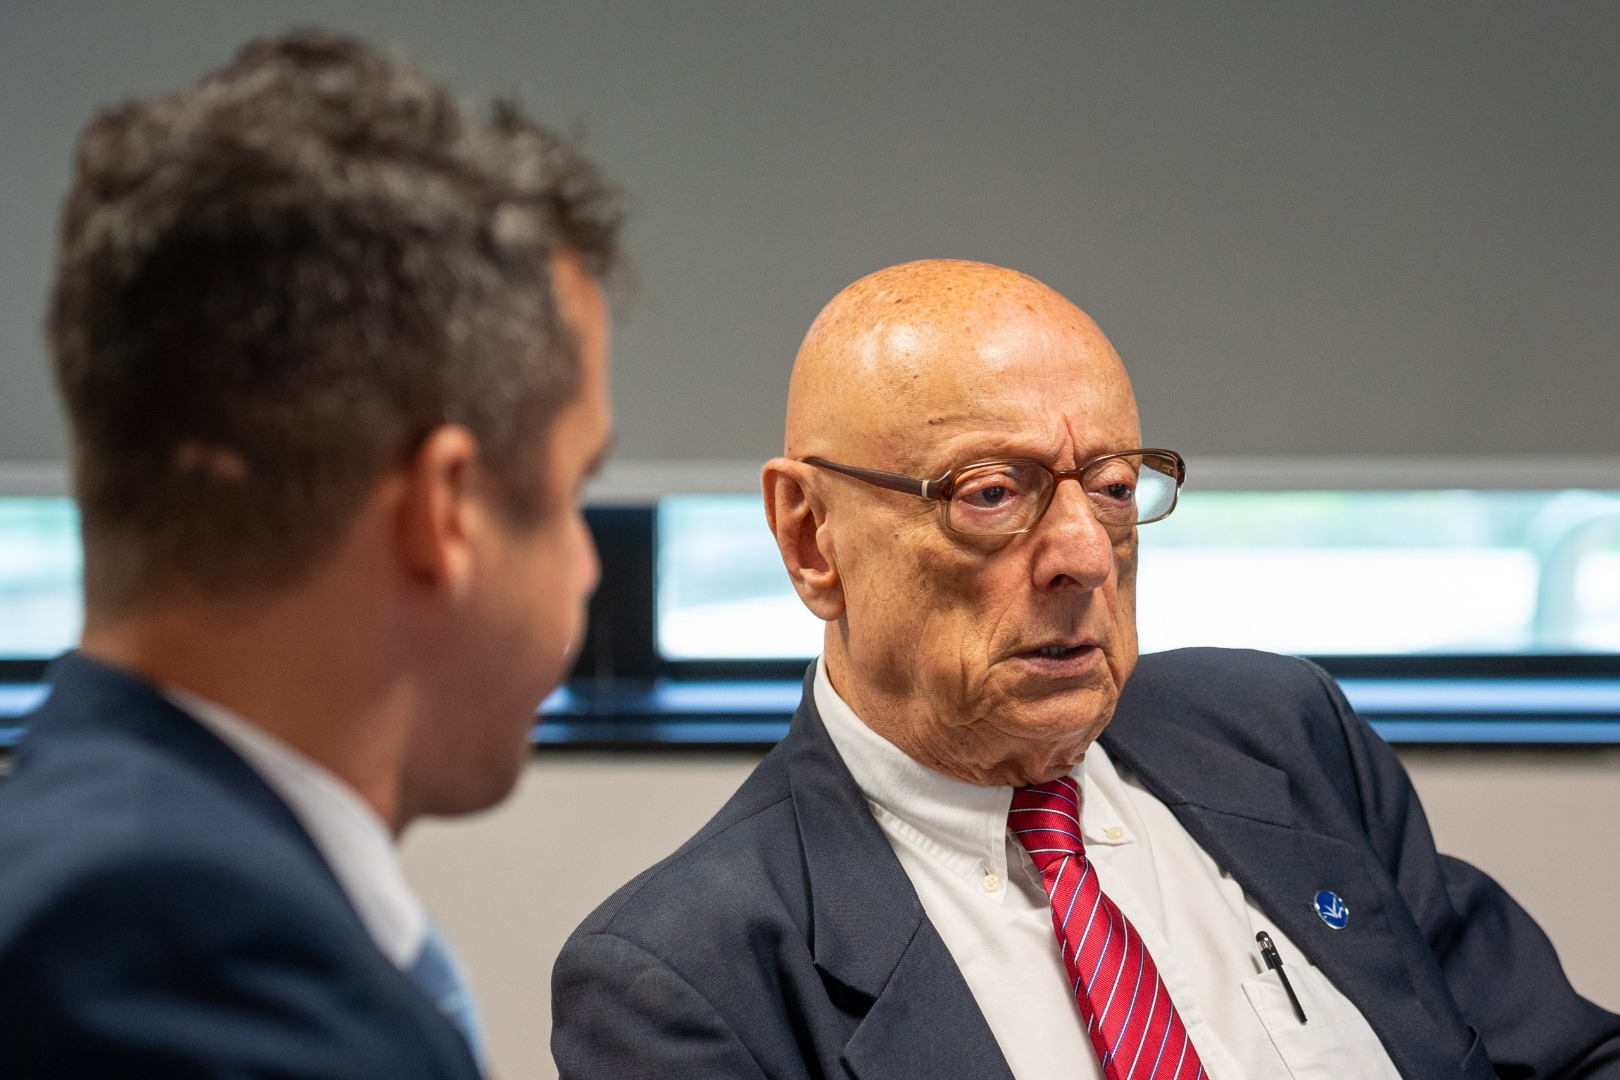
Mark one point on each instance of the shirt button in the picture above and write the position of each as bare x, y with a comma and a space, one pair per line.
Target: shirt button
992, 882
1114, 832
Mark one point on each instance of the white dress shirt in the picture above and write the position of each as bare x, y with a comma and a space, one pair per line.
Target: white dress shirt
984, 896
351, 837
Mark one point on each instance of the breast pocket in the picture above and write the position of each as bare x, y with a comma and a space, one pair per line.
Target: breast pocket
1335, 1041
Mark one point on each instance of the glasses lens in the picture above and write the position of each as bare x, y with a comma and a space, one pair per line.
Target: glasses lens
999, 497
1132, 490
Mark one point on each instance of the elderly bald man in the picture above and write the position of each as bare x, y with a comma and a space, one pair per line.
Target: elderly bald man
993, 843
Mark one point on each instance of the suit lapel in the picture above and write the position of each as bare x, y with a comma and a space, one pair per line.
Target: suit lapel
925, 1023
870, 939
1241, 812
92, 699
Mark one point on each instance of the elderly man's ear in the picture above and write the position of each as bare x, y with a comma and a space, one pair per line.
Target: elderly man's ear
799, 520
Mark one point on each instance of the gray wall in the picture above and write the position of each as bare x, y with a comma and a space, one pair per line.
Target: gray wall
1335, 229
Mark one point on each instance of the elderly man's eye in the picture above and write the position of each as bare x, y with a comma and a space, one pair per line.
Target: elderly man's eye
990, 495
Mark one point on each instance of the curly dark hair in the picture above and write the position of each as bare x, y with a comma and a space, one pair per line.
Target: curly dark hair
274, 282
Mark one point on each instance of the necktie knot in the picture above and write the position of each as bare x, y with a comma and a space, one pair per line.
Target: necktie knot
1046, 820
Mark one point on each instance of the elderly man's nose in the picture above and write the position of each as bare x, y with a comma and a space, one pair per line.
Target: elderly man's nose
1073, 547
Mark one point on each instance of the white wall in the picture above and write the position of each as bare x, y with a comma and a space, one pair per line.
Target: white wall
510, 886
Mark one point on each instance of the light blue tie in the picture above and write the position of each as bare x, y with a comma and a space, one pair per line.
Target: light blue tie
437, 974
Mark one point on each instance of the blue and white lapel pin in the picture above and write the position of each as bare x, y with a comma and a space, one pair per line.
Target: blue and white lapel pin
1331, 908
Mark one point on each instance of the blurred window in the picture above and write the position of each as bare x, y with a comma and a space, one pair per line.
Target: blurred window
40, 572
1311, 572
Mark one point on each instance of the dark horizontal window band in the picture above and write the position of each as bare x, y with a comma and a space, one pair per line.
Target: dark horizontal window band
701, 736
1543, 709
25, 670
1559, 705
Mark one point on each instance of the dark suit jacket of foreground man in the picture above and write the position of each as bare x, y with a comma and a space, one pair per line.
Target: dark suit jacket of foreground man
155, 892
785, 939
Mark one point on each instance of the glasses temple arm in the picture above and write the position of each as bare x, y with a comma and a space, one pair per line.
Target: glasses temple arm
928, 489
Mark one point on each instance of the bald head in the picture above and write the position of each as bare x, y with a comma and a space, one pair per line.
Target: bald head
907, 354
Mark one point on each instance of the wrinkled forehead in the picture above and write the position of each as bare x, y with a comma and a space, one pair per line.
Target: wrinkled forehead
926, 374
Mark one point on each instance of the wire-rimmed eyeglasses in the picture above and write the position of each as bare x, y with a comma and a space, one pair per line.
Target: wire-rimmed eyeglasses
1010, 495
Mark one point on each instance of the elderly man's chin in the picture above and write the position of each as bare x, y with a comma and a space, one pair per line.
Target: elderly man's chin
1027, 738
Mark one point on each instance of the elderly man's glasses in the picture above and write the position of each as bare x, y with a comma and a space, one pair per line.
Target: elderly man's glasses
1010, 495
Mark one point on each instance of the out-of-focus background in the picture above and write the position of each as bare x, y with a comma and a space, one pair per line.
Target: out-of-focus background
1340, 247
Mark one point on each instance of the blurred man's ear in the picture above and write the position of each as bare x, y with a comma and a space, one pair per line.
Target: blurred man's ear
798, 519
439, 505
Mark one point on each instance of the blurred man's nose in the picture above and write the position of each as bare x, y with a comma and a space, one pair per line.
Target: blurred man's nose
592, 568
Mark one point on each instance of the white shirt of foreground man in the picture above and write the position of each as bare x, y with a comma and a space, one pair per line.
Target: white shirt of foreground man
358, 847
984, 896
353, 840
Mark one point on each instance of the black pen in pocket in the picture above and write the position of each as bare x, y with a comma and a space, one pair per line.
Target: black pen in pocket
1268, 953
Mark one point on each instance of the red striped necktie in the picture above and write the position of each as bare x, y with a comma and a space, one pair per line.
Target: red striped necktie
1136, 1030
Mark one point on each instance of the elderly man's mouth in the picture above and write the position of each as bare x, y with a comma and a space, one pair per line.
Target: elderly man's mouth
1058, 660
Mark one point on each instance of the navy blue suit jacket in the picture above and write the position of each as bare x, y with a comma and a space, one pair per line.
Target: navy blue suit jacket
163, 913
786, 941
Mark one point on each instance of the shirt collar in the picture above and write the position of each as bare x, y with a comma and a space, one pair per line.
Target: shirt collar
351, 837
963, 825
